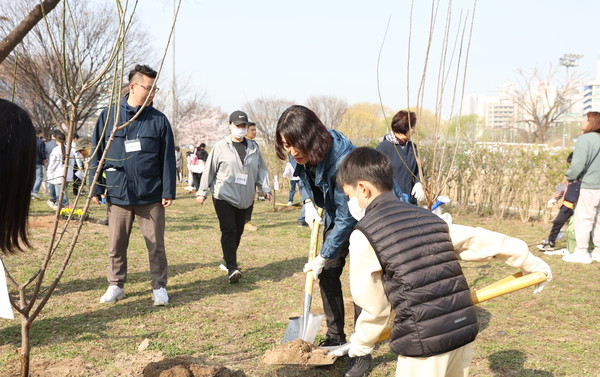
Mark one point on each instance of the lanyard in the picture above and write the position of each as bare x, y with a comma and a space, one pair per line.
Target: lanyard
139, 127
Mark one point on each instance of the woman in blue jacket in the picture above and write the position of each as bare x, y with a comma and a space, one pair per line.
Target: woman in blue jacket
316, 154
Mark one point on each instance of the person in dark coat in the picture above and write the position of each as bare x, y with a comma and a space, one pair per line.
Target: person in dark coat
403, 153
139, 178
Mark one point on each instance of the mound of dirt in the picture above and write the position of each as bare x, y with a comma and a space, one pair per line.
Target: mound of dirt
298, 352
185, 366
141, 364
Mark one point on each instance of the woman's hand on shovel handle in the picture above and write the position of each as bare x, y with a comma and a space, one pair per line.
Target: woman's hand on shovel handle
316, 266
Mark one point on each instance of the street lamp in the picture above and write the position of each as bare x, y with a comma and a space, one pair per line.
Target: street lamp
568, 61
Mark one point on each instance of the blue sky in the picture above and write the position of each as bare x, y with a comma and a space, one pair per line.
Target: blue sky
236, 51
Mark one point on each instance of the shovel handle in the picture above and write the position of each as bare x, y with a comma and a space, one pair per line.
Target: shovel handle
507, 285
501, 287
312, 252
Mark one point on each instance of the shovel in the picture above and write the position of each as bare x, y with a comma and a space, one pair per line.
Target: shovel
307, 325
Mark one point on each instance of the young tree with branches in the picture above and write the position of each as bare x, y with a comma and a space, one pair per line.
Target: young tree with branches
34, 292
41, 76
266, 112
540, 101
329, 109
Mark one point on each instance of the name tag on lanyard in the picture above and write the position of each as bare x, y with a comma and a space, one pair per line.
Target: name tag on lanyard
133, 145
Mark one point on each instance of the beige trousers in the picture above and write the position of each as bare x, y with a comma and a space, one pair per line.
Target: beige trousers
151, 219
450, 364
587, 221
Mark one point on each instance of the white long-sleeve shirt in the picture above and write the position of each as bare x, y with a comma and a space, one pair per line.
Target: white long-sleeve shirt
470, 244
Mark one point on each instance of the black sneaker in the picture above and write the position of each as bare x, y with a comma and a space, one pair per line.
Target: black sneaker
358, 366
546, 245
302, 223
235, 276
328, 342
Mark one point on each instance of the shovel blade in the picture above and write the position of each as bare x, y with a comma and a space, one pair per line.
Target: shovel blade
297, 330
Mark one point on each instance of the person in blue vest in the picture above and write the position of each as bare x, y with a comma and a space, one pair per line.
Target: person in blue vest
140, 180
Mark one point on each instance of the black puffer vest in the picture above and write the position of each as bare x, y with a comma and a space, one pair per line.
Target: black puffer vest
422, 278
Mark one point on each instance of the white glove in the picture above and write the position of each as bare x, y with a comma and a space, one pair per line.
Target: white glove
340, 351
310, 213
316, 266
417, 191
541, 266
551, 202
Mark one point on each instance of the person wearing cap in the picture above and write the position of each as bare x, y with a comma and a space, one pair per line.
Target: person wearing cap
81, 154
234, 169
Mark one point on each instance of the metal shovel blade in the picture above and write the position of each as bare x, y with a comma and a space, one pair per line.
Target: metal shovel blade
296, 328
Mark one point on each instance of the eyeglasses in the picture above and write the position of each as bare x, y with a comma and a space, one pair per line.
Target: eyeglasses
147, 87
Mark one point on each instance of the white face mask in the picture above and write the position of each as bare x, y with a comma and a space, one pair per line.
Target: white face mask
355, 210
238, 132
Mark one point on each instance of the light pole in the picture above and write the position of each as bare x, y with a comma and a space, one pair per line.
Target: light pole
568, 60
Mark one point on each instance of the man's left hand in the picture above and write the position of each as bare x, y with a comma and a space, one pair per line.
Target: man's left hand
166, 202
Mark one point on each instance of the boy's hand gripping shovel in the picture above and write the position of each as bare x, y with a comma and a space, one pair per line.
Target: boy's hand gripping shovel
307, 325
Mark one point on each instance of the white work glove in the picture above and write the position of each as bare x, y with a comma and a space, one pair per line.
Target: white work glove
316, 266
539, 265
551, 202
310, 213
418, 192
340, 351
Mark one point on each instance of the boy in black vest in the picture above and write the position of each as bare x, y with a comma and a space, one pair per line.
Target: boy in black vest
405, 258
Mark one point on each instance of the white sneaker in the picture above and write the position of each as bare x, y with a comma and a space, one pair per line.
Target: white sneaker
160, 296
35, 196
52, 205
290, 203
578, 258
223, 267
596, 257
112, 294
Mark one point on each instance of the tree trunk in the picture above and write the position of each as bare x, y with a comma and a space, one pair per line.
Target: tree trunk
25, 346
20, 31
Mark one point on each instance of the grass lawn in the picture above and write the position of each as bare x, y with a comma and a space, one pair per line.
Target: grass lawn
555, 333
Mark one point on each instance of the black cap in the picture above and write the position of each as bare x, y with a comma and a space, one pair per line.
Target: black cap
238, 117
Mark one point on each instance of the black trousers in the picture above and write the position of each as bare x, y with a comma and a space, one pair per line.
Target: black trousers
561, 218
231, 222
249, 213
331, 293
196, 180
76, 184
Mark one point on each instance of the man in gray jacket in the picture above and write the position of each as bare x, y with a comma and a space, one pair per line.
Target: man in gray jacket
138, 178
234, 169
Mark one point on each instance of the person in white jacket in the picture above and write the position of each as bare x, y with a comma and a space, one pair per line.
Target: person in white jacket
56, 165
368, 284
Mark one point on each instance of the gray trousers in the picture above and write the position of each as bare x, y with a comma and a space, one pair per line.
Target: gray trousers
151, 219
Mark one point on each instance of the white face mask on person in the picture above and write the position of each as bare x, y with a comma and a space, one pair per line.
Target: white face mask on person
238, 132
355, 209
